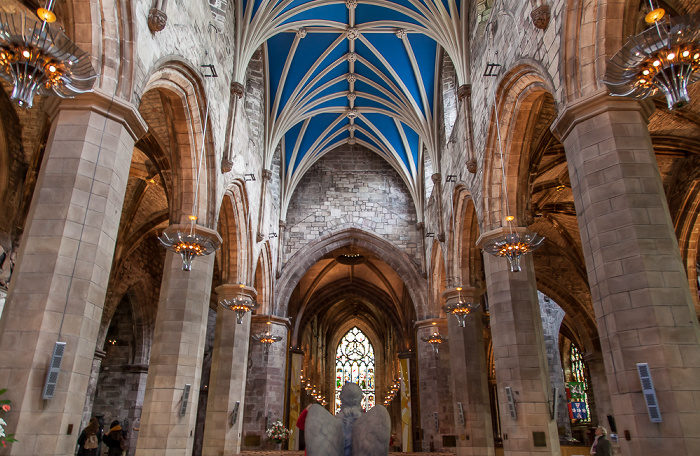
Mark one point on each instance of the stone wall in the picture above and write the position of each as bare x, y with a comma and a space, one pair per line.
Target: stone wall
351, 187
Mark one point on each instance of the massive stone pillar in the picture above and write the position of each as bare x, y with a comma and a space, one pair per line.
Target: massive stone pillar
224, 421
405, 361
296, 360
638, 283
469, 381
520, 357
60, 278
265, 384
167, 421
436, 408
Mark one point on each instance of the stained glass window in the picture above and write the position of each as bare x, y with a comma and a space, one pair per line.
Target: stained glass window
354, 362
579, 377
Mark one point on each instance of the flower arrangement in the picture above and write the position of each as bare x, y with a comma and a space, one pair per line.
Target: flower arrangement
278, 433
5, 405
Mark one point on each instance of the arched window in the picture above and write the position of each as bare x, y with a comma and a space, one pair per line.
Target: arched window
577, 385
354, 362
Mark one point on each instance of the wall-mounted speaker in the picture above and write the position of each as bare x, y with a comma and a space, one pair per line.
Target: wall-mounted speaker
59, 350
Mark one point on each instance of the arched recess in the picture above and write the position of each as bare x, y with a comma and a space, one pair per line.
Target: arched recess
518, 94
404, 266
687, 227
236, 251
466, 266
184, 102
263, 279
594, 30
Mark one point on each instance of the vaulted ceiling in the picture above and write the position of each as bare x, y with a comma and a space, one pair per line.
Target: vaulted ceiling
352, 72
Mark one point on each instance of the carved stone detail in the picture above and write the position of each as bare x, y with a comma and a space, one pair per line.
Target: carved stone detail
351, 77
352, 113
352, 57
464, 91
226, 165
352, 96
157, 20
471, 165
237, 89
266, 174
301, 33
540, 17
401, 33
352, 33
351, 4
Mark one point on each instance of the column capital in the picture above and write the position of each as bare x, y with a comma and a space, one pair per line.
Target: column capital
468, 293
439, 323
105, 104
282, 224
198, 229
230, 291
593, 105
237, 89
464, 91
499, 232
436, 177
278, 321
266, 174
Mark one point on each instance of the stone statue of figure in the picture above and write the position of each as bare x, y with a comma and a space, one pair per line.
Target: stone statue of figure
351, 432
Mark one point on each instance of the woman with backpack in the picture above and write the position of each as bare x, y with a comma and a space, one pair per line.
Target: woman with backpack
89, 439
115, 439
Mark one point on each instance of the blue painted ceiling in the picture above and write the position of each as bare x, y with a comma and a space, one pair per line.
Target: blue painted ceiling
357, 72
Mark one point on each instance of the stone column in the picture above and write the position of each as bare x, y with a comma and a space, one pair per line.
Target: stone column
92, 386
598, 390
406, 403
265, 384
552, 316
296, 360
266, 176
237, 91
469, 381
60, 278
222, 430
436, 409
519, 355
176, 356
280, 247
638, 283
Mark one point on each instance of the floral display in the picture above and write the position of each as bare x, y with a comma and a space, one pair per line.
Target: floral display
5, 405
278, 433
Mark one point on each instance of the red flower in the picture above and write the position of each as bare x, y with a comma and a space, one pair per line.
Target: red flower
6, 408
4, 444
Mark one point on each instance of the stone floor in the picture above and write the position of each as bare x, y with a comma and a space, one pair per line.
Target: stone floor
301, 453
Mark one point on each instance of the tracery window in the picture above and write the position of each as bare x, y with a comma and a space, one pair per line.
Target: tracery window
354, 362
579, 382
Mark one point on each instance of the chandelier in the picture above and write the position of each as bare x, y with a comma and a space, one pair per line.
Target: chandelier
38, 59
459, 307
663, 58
189, 243
434, 339
240, 304
513, 245
267, 339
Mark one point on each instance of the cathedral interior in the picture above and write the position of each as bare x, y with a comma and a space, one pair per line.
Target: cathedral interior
244, 204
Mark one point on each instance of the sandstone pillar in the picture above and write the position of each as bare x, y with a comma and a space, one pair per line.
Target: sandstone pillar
639, 288
296, 360
469, 381
60, 278
520, 357
224, 421
598, 390
176, 357
436, 408
265, 383
406, 403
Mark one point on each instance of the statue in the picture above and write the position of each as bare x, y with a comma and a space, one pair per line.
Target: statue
351, 432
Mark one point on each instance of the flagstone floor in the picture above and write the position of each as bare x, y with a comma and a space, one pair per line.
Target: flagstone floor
301, 453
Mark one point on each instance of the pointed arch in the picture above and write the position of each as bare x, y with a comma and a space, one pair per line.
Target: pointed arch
517, 98
464, 257
438, 280
181, 89
263, 279
236, 233
404, 266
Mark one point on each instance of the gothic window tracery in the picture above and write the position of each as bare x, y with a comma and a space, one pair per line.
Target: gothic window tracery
354, 362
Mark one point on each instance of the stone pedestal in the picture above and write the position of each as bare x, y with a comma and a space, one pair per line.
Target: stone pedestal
520, 357
265, 384
469, 381
224, 421
176, 357
434, 385
639, 288
60, 278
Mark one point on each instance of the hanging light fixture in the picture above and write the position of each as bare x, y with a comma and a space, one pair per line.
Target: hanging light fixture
663, 58
459, 306
192, 241
39, 59
434, 339
241, 304
267, 339
515, 242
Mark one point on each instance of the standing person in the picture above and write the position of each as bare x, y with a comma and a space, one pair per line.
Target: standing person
601, 446
115, 439
89, 439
